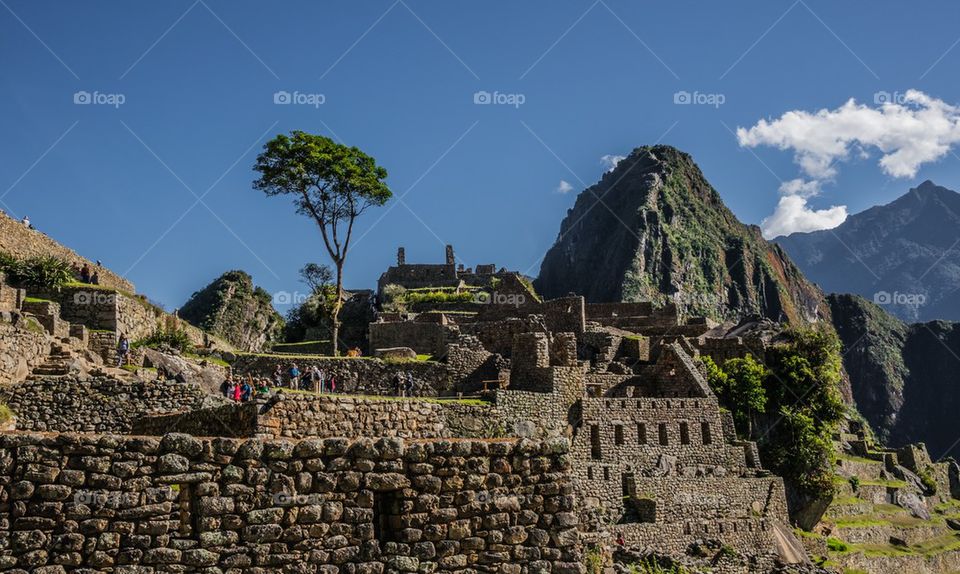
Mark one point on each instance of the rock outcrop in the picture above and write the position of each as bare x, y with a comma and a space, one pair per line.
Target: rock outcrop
654, 229
234, 309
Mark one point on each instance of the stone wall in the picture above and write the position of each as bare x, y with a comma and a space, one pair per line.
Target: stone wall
109, 310
637, 432
364, 375
235, 420
565, 314
97, 405
424, 338
17, 240
135, 504
20, 350
299, 416
11, 299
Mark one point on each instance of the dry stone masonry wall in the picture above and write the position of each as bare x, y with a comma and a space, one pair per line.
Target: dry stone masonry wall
141, 505
97, 405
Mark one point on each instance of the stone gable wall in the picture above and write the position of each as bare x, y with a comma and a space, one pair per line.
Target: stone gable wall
142, 504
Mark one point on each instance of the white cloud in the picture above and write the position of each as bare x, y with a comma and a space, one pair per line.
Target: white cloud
610, 161
800, 187
793, 214
908, 132
563, 188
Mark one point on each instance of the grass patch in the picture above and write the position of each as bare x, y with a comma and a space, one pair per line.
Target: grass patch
837, 545
211, 360
34, 326
36, 300
5, 413
887, 483
859, 459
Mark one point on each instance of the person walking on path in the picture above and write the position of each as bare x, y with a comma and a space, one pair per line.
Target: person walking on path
123, 351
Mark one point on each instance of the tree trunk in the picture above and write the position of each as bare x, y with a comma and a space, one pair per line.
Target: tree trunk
337, 304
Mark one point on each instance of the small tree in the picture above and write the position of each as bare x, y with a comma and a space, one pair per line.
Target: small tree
333, 184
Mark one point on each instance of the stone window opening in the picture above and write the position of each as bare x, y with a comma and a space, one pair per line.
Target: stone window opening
662, 431
641, 433
606, 473
187, 504
386, 514
705, 431
589, 473
618, 434
684, 433
595, 451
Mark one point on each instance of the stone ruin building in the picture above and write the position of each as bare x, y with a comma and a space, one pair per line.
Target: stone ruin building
539, 432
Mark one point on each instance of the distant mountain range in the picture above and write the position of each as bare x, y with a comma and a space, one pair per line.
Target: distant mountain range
904, 256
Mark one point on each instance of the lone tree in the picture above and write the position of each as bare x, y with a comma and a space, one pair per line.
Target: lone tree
329, 182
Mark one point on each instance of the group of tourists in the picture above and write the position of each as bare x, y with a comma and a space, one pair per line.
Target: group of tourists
312, 379
86, 275
242, 390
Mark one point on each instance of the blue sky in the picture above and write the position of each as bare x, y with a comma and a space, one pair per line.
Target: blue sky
198, 79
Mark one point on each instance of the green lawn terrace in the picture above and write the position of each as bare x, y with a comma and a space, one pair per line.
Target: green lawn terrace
893, 509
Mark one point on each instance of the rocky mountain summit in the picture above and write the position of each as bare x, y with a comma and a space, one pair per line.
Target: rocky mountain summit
901, 255
234, 309
654, 229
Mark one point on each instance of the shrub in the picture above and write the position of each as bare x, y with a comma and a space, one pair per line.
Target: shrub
42, 273
173, 338
837, 545
855, 483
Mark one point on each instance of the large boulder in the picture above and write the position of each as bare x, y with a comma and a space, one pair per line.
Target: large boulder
208, 376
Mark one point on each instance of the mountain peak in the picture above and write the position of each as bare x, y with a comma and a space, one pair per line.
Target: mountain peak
662, 233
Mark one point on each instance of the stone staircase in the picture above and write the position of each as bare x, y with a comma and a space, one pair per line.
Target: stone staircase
57, 364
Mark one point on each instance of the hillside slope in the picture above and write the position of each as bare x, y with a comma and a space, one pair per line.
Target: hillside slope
654, 229
234, 309
904, 377
903, 255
